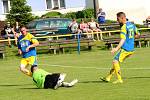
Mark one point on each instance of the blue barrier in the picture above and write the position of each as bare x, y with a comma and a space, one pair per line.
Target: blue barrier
78, 47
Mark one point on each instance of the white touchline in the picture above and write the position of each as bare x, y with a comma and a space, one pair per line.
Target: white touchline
66, 66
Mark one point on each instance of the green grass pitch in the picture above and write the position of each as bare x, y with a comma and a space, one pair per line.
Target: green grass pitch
87, 67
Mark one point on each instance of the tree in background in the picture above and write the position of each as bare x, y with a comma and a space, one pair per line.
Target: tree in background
19, 12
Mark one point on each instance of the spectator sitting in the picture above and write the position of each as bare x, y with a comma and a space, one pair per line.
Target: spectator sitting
94, 27
16, 30
85, 28
74, 27
148, 19
101, 16
7, 33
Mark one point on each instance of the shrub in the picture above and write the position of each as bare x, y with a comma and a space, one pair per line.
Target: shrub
80, 14
70, 15
87, 13
52, 14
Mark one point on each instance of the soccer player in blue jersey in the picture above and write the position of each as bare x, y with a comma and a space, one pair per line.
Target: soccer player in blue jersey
26, 48
125, 47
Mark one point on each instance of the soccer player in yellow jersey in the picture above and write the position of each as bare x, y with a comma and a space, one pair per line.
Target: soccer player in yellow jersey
26, 48
125, 47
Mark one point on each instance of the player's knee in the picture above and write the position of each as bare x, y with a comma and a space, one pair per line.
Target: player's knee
22, 69
115, 61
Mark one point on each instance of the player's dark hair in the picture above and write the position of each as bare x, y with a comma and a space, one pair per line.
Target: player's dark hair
32, 67
119, 14
23, 26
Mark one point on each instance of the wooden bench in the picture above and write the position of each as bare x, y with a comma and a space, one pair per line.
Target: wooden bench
60, 45
2, 49
143, 38
111, 26
43, 45
110, 42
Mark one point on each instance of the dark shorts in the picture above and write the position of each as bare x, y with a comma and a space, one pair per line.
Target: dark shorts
51, 80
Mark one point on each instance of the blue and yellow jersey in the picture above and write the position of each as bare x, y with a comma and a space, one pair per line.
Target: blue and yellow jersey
128, 32
24, 42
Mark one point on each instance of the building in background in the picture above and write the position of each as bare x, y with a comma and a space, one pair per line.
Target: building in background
63, 6
40, 7
136, 10
4, 8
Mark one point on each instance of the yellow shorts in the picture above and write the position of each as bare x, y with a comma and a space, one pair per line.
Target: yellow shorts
29, 61
122, 55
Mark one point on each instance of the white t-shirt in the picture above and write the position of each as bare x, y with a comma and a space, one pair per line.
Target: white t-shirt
92, 25
74, 27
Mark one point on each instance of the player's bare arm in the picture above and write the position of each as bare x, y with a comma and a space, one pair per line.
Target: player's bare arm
19, 52
137, 36
32, 46
114, 50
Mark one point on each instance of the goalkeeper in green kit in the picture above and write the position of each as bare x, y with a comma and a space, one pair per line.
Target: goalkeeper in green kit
43, 79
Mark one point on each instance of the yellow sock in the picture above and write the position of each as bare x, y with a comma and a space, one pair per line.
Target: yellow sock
29, 73
117, 70
112, 71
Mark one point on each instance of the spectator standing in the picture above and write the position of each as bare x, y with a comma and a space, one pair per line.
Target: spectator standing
101, 16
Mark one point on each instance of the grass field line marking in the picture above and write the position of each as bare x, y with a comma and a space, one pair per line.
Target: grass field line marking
63, 66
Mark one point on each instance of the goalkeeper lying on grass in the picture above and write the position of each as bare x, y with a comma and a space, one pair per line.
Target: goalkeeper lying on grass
43, 79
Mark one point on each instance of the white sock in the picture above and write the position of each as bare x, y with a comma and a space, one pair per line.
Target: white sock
72, 83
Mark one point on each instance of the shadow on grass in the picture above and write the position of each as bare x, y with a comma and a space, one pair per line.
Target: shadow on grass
11, 85
29, 88
92, 82
18, 85
136, 77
